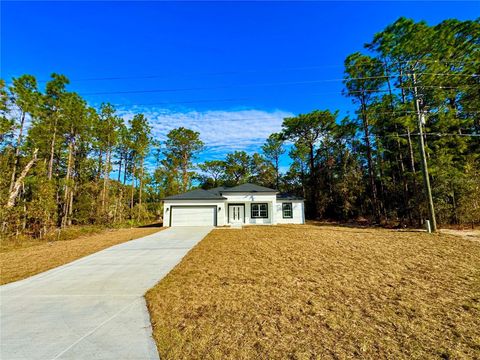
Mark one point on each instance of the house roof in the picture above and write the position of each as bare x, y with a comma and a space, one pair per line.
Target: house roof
285, 196
216, 193
197, 194
248, 188
218, 190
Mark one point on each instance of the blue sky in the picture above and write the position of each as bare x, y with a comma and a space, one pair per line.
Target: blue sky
231, 71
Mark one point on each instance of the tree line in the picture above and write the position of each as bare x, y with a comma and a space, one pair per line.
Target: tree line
72, 164
64, 162
367, 165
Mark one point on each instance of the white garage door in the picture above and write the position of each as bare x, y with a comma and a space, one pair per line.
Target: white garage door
193, 216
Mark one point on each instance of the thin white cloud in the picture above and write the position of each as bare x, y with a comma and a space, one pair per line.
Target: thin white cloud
221, 131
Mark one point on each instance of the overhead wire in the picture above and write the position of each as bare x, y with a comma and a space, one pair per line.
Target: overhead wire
235, 72
343, 92
277, 118
434, 134
306, 82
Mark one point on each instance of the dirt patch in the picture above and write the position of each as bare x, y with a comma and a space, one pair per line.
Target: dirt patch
308, 292
473, 235
18, 262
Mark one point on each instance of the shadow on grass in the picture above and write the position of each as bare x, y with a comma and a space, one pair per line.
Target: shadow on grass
153, 225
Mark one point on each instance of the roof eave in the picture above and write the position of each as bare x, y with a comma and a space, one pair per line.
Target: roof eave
240, 191
177, 199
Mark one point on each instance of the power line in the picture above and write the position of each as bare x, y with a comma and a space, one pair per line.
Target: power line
266, 85
227, 72
213, 87
436, 134
447, 74
234, 72
436, 61
305, 82
442, 87
393, 112
242, 99
414, 112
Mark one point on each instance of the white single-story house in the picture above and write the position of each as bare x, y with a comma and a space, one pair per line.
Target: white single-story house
247, 204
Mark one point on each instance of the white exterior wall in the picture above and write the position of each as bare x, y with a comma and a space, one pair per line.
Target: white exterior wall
275, 214
218, 203
297, 212
247, 199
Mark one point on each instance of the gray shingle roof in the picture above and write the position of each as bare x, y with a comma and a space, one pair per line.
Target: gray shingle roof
197, 194
218, 190
285, 196
248, 188
216, 193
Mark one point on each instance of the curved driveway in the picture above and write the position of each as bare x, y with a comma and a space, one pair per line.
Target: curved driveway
92, 308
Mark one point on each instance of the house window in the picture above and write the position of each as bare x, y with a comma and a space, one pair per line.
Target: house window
287, 210
259, 210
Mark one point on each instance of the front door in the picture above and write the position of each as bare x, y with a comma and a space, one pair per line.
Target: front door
236, 214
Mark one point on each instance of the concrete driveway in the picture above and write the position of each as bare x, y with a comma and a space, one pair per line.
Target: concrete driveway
92, 308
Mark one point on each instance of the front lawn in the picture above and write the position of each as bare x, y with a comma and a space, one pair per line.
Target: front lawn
23, 259
307, 292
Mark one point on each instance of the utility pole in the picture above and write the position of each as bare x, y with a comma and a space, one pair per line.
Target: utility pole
426, 179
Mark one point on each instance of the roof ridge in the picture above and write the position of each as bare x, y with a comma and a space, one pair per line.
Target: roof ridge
250, 187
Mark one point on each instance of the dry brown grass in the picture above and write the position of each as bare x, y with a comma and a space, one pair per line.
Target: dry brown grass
308, 292
21, 260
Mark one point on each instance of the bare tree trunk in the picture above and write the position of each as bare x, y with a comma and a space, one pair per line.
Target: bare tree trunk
399, 148
383, 194
410, 150
277, 172
133, 187
24, 223
400, 160
106, 178
17, 151
140, 188
312, 182
455, 209
412, 166
125, 171
52, 150
409, 139
120, 167
66, 200
304, 190
400, 81
141, 183
120, 204
70, 207
371, 173
100, 164
185, 173
18, 183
